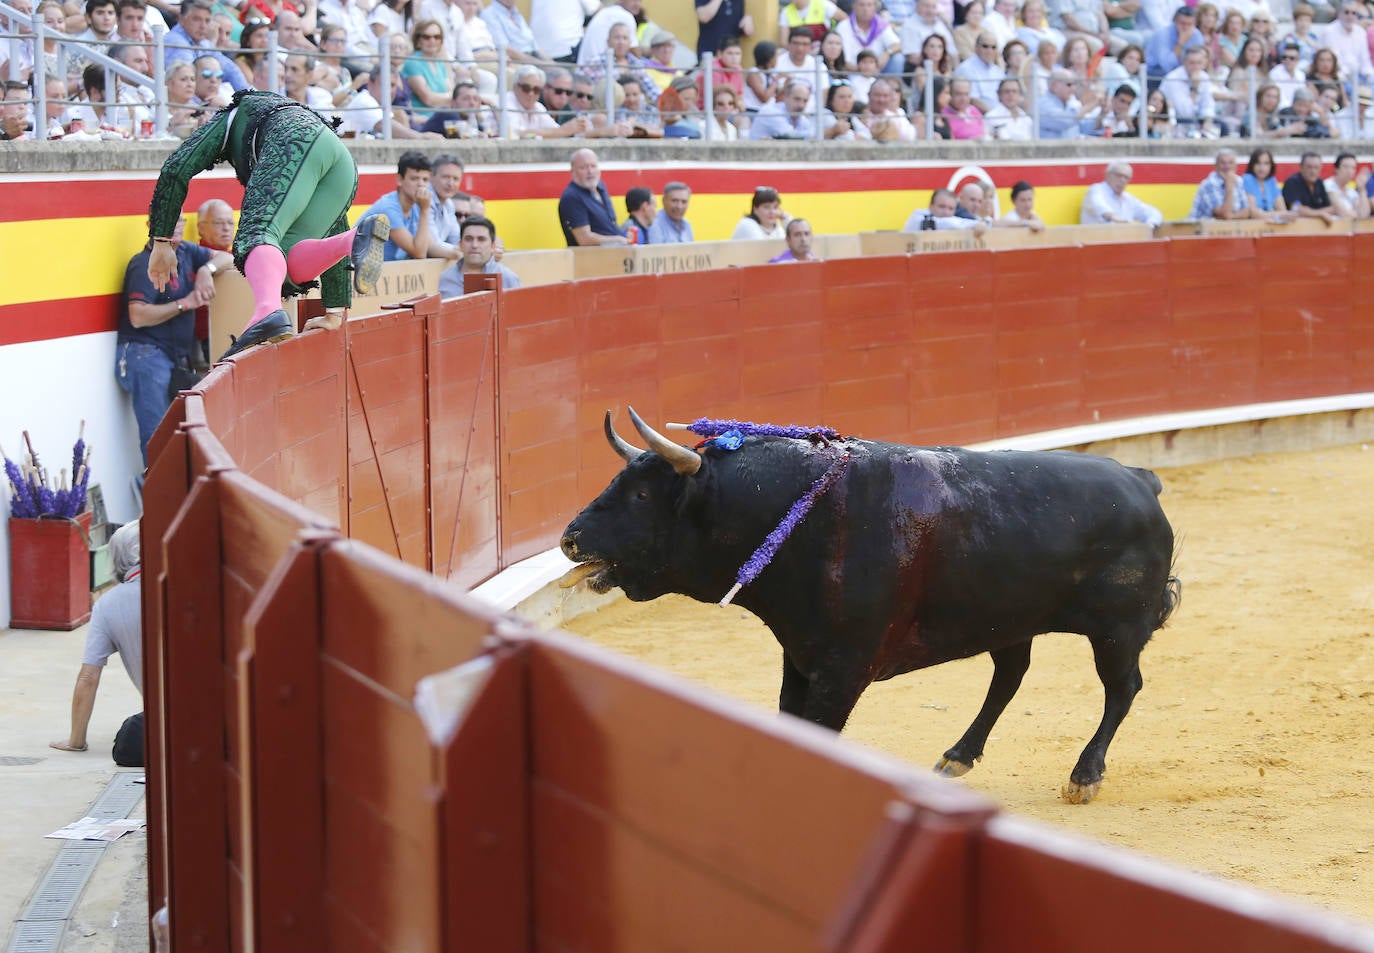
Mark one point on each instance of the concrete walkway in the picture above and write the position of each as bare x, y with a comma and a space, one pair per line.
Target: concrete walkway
37, 672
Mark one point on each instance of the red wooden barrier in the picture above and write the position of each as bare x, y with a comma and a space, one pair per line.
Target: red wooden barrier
300, 797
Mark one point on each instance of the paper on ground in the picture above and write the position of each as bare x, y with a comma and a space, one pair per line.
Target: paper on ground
96, 828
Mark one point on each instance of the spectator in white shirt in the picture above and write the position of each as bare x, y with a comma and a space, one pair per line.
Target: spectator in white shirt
1188, 89
1288, 76
983, 70
1007, 120
1109, 202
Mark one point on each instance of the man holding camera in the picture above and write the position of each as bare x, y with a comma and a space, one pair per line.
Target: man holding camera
940, 216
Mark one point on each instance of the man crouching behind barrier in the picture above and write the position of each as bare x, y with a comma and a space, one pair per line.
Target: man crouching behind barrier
298, 184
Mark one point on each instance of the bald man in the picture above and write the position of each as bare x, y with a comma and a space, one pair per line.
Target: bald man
215, 226
584, 209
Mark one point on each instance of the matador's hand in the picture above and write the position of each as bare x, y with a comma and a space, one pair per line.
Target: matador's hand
161, 263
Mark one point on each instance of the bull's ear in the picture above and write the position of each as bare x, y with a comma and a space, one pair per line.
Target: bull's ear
683, 460
626, 451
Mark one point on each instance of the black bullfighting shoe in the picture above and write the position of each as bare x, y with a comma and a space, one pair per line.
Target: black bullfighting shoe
369, 241
275, 327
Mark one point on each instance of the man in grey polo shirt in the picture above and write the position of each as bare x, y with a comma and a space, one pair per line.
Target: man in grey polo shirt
116, 626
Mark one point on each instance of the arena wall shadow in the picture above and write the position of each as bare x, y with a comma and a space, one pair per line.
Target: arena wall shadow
346, 751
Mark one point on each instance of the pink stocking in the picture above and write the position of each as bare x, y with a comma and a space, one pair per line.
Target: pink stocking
309, 257
265, 269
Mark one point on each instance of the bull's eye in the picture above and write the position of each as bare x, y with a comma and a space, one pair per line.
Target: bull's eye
642, 495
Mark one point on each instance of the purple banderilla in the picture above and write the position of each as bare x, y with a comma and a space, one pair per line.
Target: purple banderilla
706, 427
764, 554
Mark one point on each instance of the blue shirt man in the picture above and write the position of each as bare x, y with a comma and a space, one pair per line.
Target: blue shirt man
584, 208
1059, 111
1211, 199
786, 119
193, 30
1163, 53
157, 329
408, 209
669, 225
510, 29
477, 247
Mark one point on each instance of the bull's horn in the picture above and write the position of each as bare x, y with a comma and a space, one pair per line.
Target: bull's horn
619, 445
682, 459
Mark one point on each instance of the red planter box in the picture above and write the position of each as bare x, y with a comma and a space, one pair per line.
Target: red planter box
50, 573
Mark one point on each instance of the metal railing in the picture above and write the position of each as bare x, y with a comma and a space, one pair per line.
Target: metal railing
1345, 124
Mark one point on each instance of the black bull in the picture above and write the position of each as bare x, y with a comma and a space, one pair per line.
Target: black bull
914, 557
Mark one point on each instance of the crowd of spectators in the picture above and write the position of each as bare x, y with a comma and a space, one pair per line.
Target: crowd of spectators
161, 338
895, 70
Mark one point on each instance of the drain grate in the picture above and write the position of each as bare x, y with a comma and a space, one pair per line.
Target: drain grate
14, 760
36, 936
43, 923
119, 798
59, 889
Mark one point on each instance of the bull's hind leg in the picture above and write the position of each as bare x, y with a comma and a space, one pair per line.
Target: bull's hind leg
1118, 665
1008, 667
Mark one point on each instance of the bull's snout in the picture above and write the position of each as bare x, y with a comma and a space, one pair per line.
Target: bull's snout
569, 544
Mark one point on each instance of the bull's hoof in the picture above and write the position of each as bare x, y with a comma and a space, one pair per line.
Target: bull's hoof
1080, 793
952, 769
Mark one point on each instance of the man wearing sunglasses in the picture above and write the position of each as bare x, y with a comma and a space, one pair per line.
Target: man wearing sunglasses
526, 116
984, 71
557, 98
1288, 76
192, 35
211, 89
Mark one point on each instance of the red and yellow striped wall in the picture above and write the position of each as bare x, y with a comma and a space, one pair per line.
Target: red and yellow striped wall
68, 237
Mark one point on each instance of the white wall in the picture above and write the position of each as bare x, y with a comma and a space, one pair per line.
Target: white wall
48, 388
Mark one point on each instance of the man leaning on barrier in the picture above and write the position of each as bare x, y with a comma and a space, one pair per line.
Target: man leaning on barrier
584, 209
1108, 202
155, 340
1305, 193
477, 256
670, 224
941, 216
1221, 195
798, 243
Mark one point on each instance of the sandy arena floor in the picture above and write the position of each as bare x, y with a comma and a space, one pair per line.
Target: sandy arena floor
1248, 753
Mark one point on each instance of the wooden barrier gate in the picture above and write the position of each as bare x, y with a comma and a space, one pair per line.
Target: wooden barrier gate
345, 752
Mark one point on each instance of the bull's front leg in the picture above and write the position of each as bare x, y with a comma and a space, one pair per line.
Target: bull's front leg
833, 690
1008, 667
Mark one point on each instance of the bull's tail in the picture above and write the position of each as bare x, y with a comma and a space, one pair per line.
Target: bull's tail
1173, 595
1148, 478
